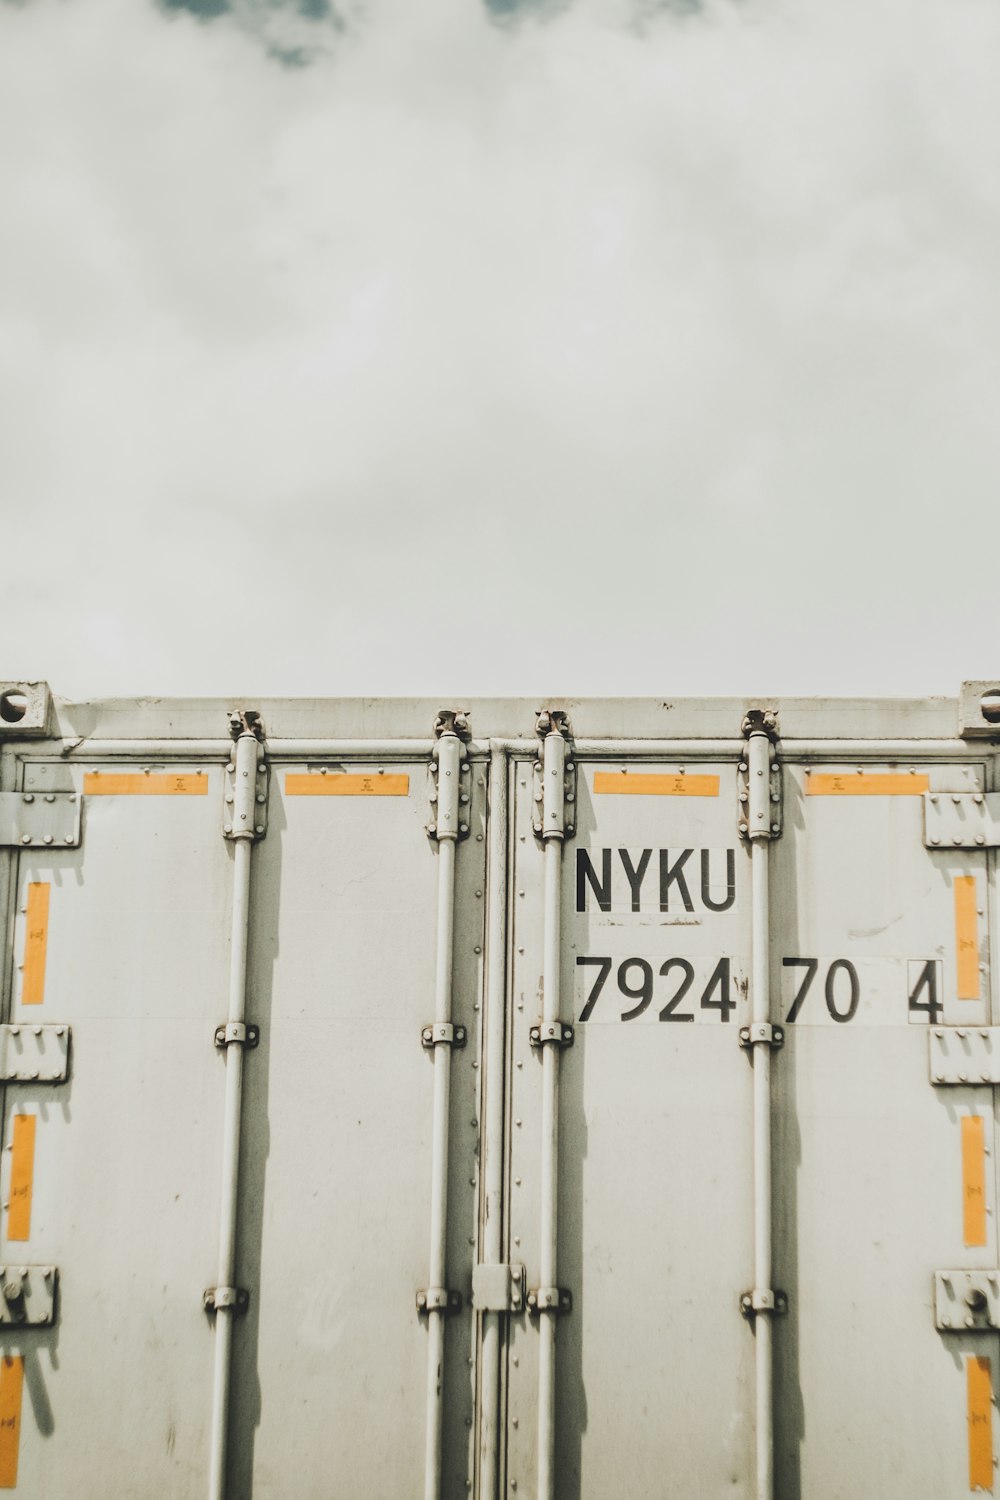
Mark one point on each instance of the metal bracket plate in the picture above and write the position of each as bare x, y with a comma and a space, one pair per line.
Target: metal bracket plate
762, 1033
225, 1298
464, 799
439, 1299
961, 820
234, 1033
443, 1034
498, 1288
964, 1054
28, 1296
555, 1299
775, 799
966, 1299
554, 1033
236, 808
34, 1054
39, 820
763, 1300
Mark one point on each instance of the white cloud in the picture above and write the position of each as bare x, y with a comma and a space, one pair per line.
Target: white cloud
613, 351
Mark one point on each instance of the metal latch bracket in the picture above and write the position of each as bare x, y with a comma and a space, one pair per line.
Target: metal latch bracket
763, 1300
498, 1288
554, 1299
226, 1299
443, 1034
439, 1299
966, 1299
962, 820
964, 1054
34, 1054
39, 820
551, 1033
762, 1034
28, 1296
235, 1033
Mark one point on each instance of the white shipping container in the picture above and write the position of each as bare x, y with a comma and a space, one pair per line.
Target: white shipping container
495, 1099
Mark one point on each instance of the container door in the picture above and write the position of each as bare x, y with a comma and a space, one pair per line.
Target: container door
110, 1178
330, 1364
881, 1177
654, 1364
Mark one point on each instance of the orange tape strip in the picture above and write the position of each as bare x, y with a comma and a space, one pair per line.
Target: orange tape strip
36, 936
645, 784
979, 1379
341, 785
11, 1385
966, 938
973, 1180
156, 784
22, 1176
868, 784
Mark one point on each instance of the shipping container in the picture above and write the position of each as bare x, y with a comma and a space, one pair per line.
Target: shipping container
420, 1100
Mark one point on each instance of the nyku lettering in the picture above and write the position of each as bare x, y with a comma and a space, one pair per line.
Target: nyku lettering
597, 888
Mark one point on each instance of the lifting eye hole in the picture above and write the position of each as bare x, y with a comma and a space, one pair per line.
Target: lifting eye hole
989, 705
14, 706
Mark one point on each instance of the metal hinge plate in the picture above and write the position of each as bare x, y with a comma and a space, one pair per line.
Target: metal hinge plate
962, 820
464, 799
966, 1299
569, 796
964, 1054
498, 1288
775, 799
34, 1054
233, 815
28, 1296
39, 820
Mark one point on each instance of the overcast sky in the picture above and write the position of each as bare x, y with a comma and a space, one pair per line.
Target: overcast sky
429, 346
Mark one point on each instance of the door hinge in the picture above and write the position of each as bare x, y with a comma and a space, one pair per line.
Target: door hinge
554, 794
498, 1288
763, 1300
758, 780
40, 820
964, 1054
962, 820
34, 1054
244, 808
28, 1296
966, 1299
449, 779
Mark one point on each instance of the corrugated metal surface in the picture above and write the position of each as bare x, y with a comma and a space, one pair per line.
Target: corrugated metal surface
879, 938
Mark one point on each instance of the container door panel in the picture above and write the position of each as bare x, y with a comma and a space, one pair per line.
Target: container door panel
113, 1180
330, 1366
871, 945
654, 1363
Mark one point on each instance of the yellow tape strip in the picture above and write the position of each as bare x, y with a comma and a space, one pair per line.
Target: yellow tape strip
36, 935
156, 784
340, 785
974, 1180
868, 784
11, 1385
644, 784
22, 1176
966, 938
979, 1380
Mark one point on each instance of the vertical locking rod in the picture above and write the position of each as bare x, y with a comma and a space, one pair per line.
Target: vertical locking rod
493, 1114
448, 753
553, 834
241, 831
759, 834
